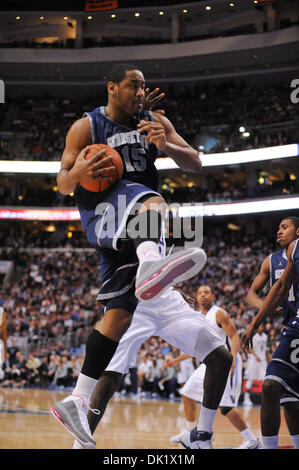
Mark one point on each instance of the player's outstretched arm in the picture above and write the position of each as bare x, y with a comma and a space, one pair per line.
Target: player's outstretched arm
258, 284
275, 296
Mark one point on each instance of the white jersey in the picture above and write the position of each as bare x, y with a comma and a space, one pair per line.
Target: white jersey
259, 345
255, 370
211, 318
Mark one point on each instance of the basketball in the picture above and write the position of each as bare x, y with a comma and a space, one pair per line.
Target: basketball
112, 176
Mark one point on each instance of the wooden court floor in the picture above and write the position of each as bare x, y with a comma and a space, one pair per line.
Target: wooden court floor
26, 423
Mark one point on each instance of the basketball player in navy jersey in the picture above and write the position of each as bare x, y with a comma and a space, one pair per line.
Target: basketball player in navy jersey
131, 264
281, 384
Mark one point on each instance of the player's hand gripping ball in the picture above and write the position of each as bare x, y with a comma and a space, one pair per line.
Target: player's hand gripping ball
102, 183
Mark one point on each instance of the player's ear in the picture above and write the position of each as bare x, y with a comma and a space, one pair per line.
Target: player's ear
111, 88
297, 232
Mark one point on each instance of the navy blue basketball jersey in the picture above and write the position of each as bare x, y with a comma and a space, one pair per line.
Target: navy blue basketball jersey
278, 262
138, 155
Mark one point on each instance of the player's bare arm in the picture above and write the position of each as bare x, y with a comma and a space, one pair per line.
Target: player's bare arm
74, 167
162, 133
224, 320
258, 284
275, 296
172, 362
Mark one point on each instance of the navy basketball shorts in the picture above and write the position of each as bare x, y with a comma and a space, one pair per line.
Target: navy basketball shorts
284, 365
105, 229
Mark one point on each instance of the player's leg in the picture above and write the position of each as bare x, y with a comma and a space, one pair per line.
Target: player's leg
281, 374
190, 407
270, 413
291, 412
143, 327
194, 336
156, 273
235, 417
100, 348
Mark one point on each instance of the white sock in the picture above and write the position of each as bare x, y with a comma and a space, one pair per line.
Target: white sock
247, 435
190, 425
295, 441
84, 386
206, 419
148, 251
270, 442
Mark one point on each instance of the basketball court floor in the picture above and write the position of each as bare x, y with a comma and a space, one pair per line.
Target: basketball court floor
26, 423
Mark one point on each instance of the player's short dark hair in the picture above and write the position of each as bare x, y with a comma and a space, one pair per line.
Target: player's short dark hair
118, 72
294, 220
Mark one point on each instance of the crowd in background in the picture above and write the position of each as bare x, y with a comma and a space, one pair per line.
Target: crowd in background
51, 308
206, 115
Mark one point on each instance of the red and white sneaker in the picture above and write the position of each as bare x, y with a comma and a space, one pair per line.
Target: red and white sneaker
154, 277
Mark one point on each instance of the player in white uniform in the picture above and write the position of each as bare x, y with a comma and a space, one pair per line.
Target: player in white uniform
192, 392
186, 370
176, 322
256, 362
3, 341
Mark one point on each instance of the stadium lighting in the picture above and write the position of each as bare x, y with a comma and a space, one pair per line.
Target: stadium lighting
213, 159
242, 129
246, 134
186, 210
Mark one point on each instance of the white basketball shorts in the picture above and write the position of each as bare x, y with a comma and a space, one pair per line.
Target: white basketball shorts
193, 388
170, 317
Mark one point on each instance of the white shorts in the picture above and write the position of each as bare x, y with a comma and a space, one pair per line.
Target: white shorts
193, 388
170, 317
255, 370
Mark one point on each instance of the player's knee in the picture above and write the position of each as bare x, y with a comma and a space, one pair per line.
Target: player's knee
271, 388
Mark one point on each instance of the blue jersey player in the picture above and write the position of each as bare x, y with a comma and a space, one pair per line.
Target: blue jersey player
124, 223
281, 384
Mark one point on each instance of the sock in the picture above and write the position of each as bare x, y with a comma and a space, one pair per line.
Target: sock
206, 419
270, 442
247, 435
295, 441
190, 425
148, 251
99, 351
84, 386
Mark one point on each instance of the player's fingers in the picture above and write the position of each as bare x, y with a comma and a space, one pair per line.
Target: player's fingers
101, 163
158, 98
146, 125
107, 171
152, 137
83, 152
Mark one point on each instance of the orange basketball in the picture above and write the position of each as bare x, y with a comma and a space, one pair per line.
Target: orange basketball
112, 176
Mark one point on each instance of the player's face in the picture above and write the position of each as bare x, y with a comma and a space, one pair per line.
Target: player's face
286, 233
205, 296
131, 92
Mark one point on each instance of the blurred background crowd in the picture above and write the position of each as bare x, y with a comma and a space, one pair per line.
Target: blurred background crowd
51, 307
